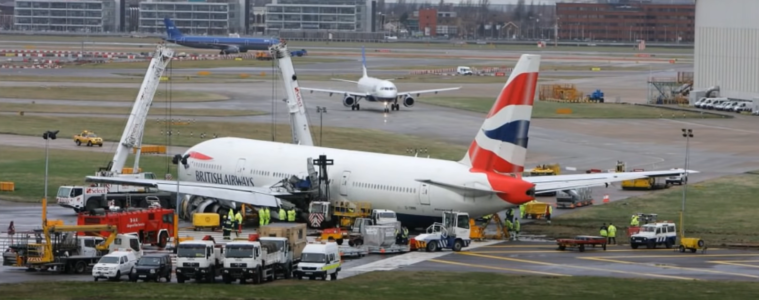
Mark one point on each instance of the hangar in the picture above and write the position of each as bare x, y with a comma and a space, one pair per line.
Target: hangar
727, 48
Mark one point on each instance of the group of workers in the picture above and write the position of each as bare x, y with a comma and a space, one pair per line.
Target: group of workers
511, 223
610, 233
233, 220
401, 238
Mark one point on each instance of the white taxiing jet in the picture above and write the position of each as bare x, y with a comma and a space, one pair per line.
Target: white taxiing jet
485, 181
376, 90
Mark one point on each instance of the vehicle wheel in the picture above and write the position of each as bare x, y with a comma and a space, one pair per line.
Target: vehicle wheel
242, 280
668, 244
118, 276
324, 277
79, 267
582, 248
339, 242
432, 246
162, 239
132, 279
96, 279
89, 144
562, 247
180, 279
100, 145
333, 276
634, 246
299, 277
227, 280
701, 244
458, 245
78, 142
210, 277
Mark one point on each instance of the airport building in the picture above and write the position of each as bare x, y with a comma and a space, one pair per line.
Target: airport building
67, 15
196, 18
333, 15
726, 55
670, 21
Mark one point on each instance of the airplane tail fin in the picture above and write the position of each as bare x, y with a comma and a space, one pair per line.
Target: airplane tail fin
501, 142
363, 60
171, 31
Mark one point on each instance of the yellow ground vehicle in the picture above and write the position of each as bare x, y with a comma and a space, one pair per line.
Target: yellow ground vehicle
535, 210
347, 212
202, 221
478, 231
650, 183
546, 170
88, 138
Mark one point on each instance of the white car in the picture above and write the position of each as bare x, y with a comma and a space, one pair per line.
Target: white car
114, 265
650, 235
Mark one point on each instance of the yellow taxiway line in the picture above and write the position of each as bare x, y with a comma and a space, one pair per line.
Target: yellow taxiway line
736, 263
604, 259
496, 268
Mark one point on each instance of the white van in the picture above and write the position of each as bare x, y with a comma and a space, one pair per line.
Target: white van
462, 70
114, 265
319, 260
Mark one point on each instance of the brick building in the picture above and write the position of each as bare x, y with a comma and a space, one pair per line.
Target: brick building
626, 22
428, 21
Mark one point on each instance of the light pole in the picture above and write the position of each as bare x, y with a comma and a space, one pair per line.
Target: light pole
178, 160
47, 135
687, 134
321, 111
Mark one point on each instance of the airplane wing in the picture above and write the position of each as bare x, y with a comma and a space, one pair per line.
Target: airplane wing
427, 91
343, 80
256, 196
565, 182
353, 94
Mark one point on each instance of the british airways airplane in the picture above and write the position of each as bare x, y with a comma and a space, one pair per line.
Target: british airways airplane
486, 180
226, 45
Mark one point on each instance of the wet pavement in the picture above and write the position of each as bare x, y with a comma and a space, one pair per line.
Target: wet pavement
525, 258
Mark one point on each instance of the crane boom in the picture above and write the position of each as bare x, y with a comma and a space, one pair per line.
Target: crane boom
135, 126
301, 133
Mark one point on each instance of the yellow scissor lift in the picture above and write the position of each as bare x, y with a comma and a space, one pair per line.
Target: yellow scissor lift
477, 232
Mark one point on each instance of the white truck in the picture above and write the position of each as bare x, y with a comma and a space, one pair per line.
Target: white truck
463, 70
452, 234
200, 260
651, 235
257, 260
383, 217
83, 198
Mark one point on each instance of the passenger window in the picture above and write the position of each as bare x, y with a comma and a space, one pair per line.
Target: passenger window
658, 230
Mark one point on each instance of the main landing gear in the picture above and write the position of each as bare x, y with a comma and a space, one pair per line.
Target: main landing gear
355, 107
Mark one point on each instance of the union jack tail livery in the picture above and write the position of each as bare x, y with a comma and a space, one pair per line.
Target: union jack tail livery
501, 143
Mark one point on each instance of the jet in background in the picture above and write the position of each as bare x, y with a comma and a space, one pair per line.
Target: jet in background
376, 90
226, 45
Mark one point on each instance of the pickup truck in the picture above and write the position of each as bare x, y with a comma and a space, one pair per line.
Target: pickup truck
88, 138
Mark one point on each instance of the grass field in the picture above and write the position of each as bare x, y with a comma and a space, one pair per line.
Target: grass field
26, 168
109, 110
203, 64
718, 211
399, 285
548, 109
102, 94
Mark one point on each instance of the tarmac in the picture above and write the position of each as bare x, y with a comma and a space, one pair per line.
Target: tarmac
534, 258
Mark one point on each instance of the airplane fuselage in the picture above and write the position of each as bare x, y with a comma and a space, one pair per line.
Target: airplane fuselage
385, 181
378, 90
223, 43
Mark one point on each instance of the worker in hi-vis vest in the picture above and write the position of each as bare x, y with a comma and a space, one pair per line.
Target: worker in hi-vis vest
282, 214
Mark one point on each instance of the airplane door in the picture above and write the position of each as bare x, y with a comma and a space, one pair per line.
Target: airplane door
344, 183
240, 166
424, 194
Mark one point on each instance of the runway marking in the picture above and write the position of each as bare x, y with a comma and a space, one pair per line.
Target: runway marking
667, 267
735, 263
573, 266
497, 268
676, 256
546, 251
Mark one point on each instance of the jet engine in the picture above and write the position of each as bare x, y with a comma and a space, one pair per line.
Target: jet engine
408, 102
230, 49
349, 101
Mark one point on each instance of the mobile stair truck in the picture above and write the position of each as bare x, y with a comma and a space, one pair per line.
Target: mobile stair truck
200, 260
256, 260
453, 233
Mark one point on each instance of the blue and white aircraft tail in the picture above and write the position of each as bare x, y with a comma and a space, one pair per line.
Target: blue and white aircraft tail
376, 90
226, 45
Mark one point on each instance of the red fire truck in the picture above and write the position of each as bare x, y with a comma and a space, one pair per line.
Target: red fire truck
153, 226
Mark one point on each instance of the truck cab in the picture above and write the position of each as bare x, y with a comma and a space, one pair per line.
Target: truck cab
651, 235
243, 260
383, 217
199, 260
319, 260
452, 234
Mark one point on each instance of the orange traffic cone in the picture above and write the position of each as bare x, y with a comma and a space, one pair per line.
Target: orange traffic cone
606, 198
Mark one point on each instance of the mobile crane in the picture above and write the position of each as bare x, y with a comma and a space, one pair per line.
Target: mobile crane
81, 198
65, 251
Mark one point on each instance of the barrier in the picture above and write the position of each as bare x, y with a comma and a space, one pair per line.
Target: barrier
204, 73
151, 149
7, 186
564, 111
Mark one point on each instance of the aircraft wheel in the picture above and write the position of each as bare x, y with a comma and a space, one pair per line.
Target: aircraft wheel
358, 107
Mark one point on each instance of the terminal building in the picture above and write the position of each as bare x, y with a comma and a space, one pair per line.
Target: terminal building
67, 15
726, 55
333, 15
